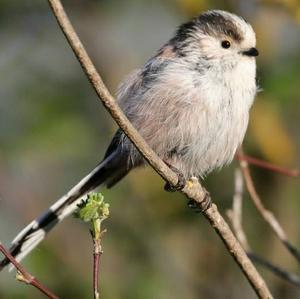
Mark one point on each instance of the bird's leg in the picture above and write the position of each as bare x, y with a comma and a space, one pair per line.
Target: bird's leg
198, 207
180, 183
201, 206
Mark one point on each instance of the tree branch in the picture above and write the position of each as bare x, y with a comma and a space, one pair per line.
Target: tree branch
235, 216
94, 210
97, 252
290, 277
26, 277
194, 190
266, 165
267, 215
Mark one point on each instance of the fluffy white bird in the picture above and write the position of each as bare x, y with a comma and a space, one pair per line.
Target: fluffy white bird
190, 102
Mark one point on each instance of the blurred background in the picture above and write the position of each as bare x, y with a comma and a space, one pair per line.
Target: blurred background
53, 130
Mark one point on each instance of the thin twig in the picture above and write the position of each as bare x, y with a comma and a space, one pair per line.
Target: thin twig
267, 215
194, 190
292, 278
235, 216
24, 276
96, 262
263, 164
94, 210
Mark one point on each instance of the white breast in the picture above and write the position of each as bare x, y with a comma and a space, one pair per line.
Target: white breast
219, 118
201, 118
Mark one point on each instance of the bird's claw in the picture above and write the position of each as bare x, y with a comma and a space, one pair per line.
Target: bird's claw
202, 206
180, 183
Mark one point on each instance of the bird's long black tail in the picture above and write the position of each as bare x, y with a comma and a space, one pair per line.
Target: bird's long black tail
108, 171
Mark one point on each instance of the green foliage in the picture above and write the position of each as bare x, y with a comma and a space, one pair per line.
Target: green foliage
95, 210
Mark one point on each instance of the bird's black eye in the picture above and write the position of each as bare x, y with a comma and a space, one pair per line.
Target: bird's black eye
226, 44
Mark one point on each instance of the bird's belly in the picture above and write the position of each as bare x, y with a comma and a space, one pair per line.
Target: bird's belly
215, 141
220, 126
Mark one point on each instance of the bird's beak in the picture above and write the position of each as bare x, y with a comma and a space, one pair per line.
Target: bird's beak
251, 52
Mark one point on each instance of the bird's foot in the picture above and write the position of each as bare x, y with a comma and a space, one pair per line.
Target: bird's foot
180, 183
202, 206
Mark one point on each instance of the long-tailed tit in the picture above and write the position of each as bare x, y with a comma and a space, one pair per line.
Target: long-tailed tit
190, 102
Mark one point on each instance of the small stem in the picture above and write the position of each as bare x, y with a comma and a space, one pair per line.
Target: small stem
26, 277
94, 210
96, 235
235, 216
97, 253
267, 215
290, 277
267, 165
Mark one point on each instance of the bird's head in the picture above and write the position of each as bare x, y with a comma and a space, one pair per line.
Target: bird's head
216, 36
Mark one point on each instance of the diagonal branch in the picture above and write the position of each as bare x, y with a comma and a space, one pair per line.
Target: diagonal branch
193, 191
235, 216
26, 277
267, 215
267, 165
290, 277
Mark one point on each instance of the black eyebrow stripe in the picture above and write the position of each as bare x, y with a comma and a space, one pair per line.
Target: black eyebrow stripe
212, 23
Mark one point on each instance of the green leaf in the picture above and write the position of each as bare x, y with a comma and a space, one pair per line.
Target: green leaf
93, 208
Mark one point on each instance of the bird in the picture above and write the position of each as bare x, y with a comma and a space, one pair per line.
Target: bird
190, 102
